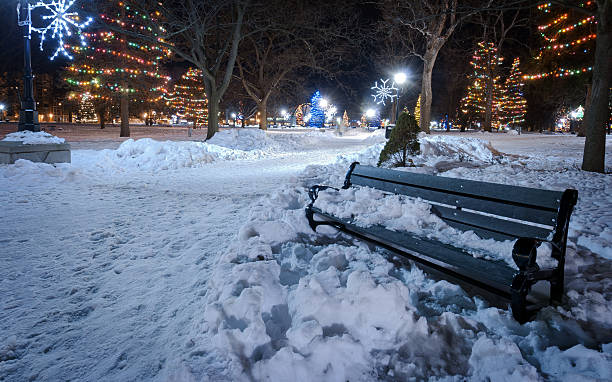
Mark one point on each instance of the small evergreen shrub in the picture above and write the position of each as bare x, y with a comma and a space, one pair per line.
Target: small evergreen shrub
402, 142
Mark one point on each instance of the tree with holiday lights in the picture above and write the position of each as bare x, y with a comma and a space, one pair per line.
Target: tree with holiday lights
317, 111
188, 99
417, 110
513, 104
484, 92
345, 119
114, 66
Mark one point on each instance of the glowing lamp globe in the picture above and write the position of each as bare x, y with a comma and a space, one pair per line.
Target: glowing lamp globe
400, 78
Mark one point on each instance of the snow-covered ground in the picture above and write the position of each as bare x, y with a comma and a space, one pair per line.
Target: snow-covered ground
190, 261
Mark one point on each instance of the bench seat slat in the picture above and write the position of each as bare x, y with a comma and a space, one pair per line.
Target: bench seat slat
545, 199
494, 273
545, 217
488, 226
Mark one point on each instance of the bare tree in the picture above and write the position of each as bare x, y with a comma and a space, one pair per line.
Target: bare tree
283, 36
433, 22
204, 33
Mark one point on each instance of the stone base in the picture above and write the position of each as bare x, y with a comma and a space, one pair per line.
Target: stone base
45, 153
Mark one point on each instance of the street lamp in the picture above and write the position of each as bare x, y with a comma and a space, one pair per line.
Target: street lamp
234, 118
60, 24
399, 78
2, 112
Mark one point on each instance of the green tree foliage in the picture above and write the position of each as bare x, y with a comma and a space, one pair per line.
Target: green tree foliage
402, 142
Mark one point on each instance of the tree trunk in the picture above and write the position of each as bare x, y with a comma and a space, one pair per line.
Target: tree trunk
488, 117
125, 115
597, 115
213, 116
581, 132
262, 107
101, 119
429, 61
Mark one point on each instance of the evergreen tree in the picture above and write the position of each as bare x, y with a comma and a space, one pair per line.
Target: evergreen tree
87, 111
514, 105
345, 120
114, 67
402, 142
188, 99
317, 113
484, 86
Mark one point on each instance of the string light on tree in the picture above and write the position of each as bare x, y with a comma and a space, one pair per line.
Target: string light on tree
417, 110
484, 81
383, 91
114, 68
568, 39
188, 99
513, 103
317, 110
61, 23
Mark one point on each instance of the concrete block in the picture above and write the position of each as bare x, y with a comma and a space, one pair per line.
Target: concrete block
45, 153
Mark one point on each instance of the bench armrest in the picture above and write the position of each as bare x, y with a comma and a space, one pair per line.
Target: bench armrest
313, 192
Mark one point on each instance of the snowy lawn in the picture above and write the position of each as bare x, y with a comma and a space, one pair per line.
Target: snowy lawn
191, 261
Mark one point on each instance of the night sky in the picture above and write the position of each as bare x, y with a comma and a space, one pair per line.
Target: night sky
350, 91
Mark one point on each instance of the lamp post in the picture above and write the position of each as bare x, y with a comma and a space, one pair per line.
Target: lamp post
399, 78
28, 115
1, 112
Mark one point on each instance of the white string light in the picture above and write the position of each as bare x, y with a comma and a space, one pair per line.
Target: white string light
383, 91
61, 24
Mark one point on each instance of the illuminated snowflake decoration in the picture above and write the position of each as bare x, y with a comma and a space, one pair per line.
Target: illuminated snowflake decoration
383, 91
61, 24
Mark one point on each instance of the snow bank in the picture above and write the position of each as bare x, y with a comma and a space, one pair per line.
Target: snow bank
27, 172
33, 138
436, 151
227, 145
292, 305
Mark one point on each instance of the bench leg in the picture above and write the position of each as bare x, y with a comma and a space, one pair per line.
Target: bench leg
557, 287
520, 289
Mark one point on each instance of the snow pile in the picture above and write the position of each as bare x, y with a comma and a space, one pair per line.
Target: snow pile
228, 145
33, 138
289, 304
437, 151
25, 171
460, 149
244, 140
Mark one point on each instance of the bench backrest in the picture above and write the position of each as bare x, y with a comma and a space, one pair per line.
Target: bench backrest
489, 209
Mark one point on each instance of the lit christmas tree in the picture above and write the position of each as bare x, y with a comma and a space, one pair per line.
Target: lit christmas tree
484, 86
87, 111
188, 100
513, 104
317, 112
345, 119
568, 40
114, 67
300, 113
417, 110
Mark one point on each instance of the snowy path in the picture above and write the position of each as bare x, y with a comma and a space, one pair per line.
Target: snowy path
102, 275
